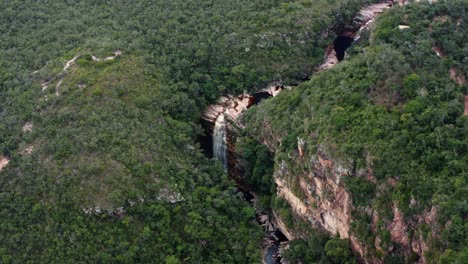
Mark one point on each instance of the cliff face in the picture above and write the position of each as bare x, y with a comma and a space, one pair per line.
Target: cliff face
319, 197
233, 107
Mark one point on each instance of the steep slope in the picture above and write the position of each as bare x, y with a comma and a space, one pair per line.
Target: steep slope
375, 150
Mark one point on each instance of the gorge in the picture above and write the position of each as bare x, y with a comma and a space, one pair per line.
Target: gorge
222, 121
240, 131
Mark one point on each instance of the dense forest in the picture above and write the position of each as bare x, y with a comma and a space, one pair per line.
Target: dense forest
100, 103
396, 102
103, 163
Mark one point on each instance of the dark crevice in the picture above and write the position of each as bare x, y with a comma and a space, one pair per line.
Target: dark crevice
206, 139
258, 97
341, 44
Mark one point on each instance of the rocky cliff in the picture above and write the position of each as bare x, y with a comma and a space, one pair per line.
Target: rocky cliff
319, 196
233, 107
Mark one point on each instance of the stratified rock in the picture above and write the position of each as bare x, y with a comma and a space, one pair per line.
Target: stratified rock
328, 205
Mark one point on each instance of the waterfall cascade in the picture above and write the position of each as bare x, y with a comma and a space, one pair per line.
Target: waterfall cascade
219, 140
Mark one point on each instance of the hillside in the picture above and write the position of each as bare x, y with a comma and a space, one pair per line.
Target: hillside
375, 149
106, 151
99, 109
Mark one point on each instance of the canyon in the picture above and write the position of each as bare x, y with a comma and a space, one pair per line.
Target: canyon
318, 196
274, 132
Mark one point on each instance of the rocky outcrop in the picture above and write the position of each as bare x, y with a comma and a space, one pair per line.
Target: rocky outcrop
278, 222
455, 75
27, 127
235, 106
366, 18
398, 227
326, 203
370, 12
116, 54
330, 59
3, 162
405, 2
361, 22
319, 196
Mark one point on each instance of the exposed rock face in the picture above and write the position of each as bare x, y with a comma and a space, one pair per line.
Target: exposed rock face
233, 107
28, 150
370, 12
319, 197
438, 52
330, 59
300, 146
455, 75
405, 2
3, 162
116, 54
282, 226
398, 227
362, 21
367, 15
327, 204
69, 63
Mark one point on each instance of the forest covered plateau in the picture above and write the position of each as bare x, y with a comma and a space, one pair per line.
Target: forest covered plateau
100, 108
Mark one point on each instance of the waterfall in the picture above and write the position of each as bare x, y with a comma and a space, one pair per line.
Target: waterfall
219, 140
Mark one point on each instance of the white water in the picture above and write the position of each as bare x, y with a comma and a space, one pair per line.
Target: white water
219, 140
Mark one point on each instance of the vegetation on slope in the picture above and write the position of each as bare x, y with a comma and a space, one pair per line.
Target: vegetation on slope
394, 103
112, 179
110, 171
